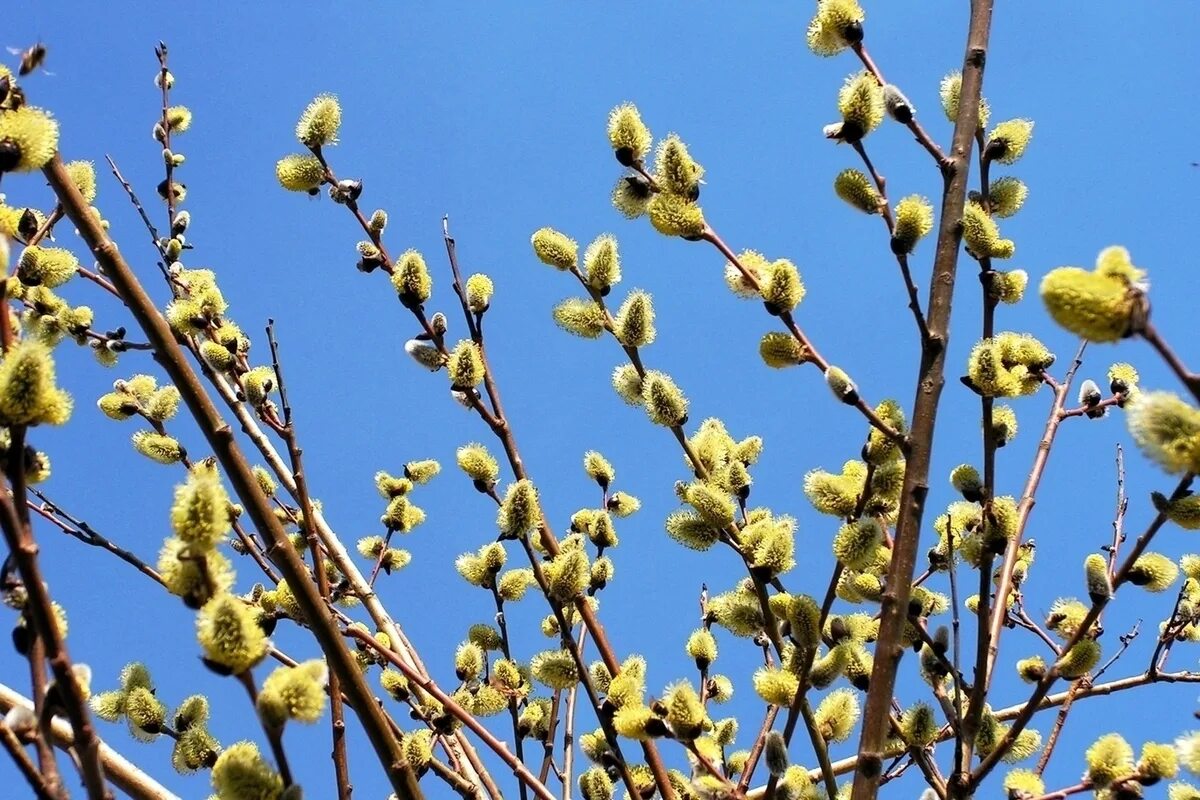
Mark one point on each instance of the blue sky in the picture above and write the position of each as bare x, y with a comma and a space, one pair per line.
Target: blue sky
495, 115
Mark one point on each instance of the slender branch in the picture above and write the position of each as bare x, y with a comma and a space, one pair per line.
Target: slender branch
548, 744
47, 763
1022, 619
1043, 686
220, 437
1056, 731
35, 779
568, 743
274, 734
818, 741
760, 742
1119, 518
506, 649
955, 643
337, 715
1190, 379
461, 714
72, 526
18, 533
812, 355
923, 138
1004, 582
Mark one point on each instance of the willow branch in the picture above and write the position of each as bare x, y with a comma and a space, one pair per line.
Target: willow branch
220, 436
1004, 582
812, 355
25, 765
1052, 674
919, 133
461, 714
885, 212
77, 528
930, 379
1190, 379
337, 715
18, 533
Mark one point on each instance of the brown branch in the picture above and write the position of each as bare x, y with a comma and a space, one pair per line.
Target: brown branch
220, 437
1118, 518
50, 511
1190, 379
1004, 582
38, 683
930, 379
548, 744
273, 733
923, 138
38, 782
161, 53
18, 533
1098, 604
1056, 731
506, 649
812, 355
568, 742
822, 753
756, 750
986, 642
137, 204
1022, 619
341, 767
461, 714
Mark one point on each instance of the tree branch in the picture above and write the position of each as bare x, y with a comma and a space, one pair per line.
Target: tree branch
220, 437
930, 380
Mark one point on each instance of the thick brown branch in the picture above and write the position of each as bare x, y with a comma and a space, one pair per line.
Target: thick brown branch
220, 437
930, 379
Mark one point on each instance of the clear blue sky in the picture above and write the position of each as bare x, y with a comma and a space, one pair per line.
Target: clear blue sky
496, 116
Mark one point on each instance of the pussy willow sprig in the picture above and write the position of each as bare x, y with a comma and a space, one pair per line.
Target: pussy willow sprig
804, 645
347, 193
229, 453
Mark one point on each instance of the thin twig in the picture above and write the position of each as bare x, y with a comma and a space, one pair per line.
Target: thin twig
1004, 581
1190, 379
274, 734
1004, 745
923, 138
461, 714
1056, 731
77, 528
341, 766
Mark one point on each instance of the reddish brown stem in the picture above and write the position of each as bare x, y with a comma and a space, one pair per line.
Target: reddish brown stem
221, 438
37, 781
930, 379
